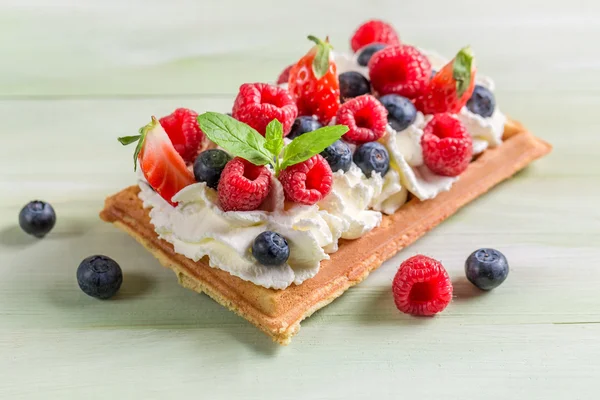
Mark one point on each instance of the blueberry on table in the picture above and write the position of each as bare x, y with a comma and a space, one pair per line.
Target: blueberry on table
37, 218
353, 84
99, 276
365, 54
208, 166
372, 157
482, 102
338, 156
270, 248
401, 111
486, 268
303, 125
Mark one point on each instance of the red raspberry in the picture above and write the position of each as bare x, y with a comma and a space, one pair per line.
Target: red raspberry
447, 146
243, 186
365, 117
285, 75
185, 133
307, 182
401, 70
422, 286
374, 31
257, 104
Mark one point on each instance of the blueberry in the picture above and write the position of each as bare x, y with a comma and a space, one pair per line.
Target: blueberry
482, 102
353, 84
338, 156
270, 248
37, 218
372, 157
401, 111
99, 276
367, 52
208, 166
486, 268
302, 125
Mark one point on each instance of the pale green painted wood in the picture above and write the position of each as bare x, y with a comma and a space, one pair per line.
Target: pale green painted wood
535, 337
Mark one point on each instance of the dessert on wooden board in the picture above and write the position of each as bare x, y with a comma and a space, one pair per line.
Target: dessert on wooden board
313, 182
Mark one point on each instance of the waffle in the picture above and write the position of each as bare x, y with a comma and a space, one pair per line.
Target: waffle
278, 313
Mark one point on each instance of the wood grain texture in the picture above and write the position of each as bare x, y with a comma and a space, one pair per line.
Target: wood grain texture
76, 74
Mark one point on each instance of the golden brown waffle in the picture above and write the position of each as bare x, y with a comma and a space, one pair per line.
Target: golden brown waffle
278, 312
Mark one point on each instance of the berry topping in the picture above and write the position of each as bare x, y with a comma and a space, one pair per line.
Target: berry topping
447, 146
372, 157
365, 54
422, 286
402, 70
313, 83
482, 102
353, 84
374, 31
163, 167
270, 248
257, 104
285, 75
365, 117
307, 182
338, 156
185, 134
486, 268
209, 165
401, 111
243, 186
302, 125
37, 218
450, 89
99, 276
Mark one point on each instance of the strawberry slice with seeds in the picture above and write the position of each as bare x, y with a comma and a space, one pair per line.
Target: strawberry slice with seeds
451, 88
313, 83
163, 167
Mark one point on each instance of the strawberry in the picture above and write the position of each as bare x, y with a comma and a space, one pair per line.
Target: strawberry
313, 83
163, 167
451, 88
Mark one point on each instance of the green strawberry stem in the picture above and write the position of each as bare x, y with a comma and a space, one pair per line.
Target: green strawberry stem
462, 69
140, 139
320, 64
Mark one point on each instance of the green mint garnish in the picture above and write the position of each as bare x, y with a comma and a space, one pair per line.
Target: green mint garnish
140, 139
242, 141
320, 63
461, 69
236, 137
307, 145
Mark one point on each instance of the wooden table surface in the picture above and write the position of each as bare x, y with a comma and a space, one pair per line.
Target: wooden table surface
74, 75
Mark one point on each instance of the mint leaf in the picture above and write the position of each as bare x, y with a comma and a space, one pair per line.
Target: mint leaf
274, 137
320, 64
462, 69
304, 147
236, 137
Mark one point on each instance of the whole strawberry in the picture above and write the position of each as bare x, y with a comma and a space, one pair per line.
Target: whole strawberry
162, 165
451, 88
313, 83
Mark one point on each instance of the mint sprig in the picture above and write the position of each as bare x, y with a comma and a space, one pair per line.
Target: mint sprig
243, 141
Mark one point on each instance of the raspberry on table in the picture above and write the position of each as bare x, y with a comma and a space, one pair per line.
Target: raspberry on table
447, 146
365, 117
243, 186
257, 104
185, 133
307, 182
285, 75
401, 70
374, 31
422, 286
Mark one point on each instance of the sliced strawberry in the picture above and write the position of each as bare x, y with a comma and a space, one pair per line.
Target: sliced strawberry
163, 167
451, 88
313, 83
